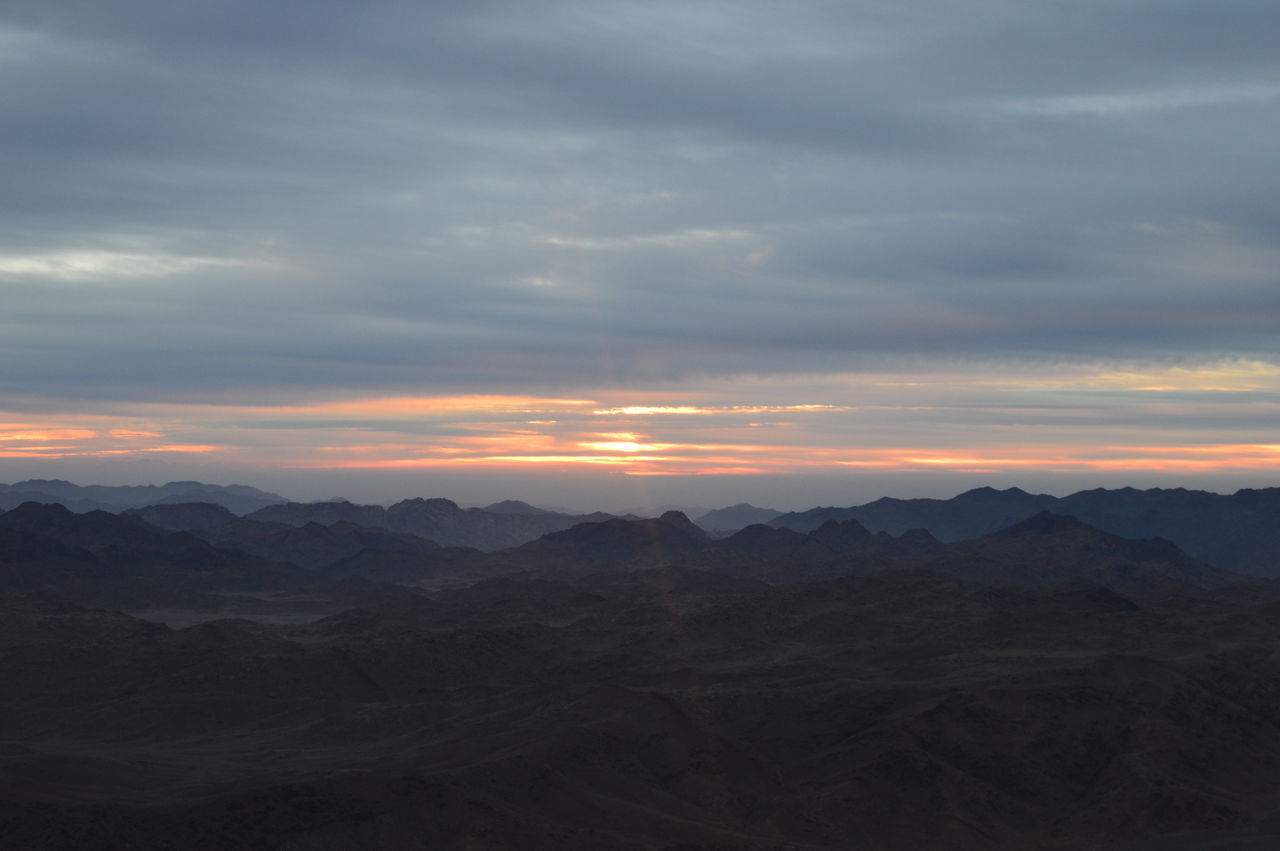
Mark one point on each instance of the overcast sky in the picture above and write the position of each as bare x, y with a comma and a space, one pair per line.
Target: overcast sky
600, 252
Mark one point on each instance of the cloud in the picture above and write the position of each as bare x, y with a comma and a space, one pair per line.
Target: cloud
255, 204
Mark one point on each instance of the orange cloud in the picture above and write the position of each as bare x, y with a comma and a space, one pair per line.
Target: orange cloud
133, 434
29, 433
44, 440
74, 452
640, 457
627, 446
514, 432
409, 406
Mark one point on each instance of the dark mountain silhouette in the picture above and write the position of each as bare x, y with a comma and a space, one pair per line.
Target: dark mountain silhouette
30, 560
312, 545
1044, 552
807, 521
1238, 532
184, 516
121, 561
612, 544
680, 520
759, 538
1049, 550
848, 535
515, 506
969, 515
324, 513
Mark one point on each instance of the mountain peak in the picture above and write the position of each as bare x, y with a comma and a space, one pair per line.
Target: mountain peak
681, 521
1044, 523
33, 509
438, 502
842, 534
515, 506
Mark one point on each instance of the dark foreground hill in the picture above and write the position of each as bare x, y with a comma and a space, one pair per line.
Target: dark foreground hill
894, 712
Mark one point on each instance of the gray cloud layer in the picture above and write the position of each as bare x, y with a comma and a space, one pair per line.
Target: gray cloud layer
239, 197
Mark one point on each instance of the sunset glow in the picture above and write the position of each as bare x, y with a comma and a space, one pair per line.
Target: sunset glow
752, 248
861, 431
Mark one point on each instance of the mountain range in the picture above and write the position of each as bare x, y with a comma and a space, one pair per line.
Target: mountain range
626, 683
1239, 532
240, 499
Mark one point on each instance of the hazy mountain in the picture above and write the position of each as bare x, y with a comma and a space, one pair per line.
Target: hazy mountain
240, 499
515, 506
1238, 532
440, 520
735, 517
976, 512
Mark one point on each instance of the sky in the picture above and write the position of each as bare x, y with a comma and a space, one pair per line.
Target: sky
595, 254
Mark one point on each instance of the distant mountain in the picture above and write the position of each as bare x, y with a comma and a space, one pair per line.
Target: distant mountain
239, 499
1238, 532
515, 506
810, 519
976, 512
439, 520
735, 517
